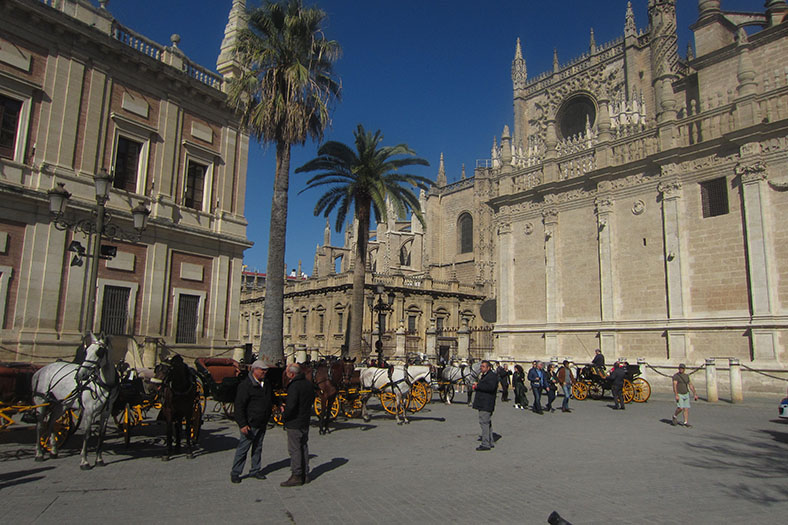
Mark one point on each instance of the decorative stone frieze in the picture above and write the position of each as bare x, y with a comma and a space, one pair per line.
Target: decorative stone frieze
638, 207
670, 189
752, 172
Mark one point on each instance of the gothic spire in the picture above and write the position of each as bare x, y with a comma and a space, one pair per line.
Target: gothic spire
555, 60
592, 42
226, 64
441, 173
463, 171
519, 70
630, 29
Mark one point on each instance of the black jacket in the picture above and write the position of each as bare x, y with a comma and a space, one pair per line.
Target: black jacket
617, 376
486, 390
503, 375
298, 407
253, 403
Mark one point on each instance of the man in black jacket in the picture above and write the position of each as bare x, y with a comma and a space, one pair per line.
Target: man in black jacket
616, 377
298, 409
484, 401
253, 402
503, 375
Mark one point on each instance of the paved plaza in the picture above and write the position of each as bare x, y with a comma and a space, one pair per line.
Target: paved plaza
595, 465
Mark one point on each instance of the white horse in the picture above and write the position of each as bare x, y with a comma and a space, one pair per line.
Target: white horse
397, 382
90, 386
467, 374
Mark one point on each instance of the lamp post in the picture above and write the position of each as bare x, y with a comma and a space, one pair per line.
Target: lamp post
382, 308
99, 225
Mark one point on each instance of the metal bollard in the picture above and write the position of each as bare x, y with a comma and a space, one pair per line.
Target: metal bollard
734, 368
711, 381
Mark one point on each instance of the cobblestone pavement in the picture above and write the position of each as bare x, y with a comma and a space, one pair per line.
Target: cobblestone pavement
595, 465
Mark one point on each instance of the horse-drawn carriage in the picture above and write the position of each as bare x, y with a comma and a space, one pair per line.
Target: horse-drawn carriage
16, 398
135, 399
592, 382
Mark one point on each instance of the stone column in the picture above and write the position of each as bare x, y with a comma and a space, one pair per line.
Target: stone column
300, 355
674, 270
505, 272
711, 381
734, 368
464, 342
550, 219
400, 340
432, 339
604, 215
761, 277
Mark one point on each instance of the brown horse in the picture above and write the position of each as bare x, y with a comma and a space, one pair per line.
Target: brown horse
328, 377
178, 395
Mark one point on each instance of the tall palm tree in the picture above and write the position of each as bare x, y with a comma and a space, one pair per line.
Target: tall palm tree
283, 94
365, 179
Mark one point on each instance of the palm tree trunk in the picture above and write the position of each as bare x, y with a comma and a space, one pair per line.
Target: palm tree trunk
359, 275
271, 340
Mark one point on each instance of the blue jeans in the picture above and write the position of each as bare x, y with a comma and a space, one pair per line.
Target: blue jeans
537, 391
253, 440
567, 395
485, 421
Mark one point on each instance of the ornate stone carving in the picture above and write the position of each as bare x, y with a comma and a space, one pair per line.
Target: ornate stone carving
604, 204
529, 228
550, 215
752, 172
670, 189
504, 228
749, 149
632, 180
667, 170
638, 207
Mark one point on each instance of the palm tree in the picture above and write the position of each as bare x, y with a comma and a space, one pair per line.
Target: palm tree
365, 179
283, 94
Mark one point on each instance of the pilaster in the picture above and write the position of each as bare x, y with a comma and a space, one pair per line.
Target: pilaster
505, 272
671, 193
550, 220
604, 215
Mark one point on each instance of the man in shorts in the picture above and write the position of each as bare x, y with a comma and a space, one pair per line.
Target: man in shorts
681, 388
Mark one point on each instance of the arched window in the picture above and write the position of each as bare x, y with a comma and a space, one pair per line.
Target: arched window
404, 254
465, 228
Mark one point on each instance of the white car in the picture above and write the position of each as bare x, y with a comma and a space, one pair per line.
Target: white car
783, 410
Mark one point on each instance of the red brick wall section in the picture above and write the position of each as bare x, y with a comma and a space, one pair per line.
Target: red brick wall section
12, 257
116, 106
83, 111
177, 282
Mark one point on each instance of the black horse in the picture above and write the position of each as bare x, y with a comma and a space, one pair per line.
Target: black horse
179, 402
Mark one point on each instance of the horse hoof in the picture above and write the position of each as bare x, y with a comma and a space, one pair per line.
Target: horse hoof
399, 422
85, 466
39, 459
101, 463
366, 419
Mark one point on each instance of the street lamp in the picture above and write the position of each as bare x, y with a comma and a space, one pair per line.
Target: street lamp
99, 224
381, 308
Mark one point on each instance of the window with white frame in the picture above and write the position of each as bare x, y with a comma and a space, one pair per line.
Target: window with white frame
195, 185
130, 151
15, 103
199, 171
188, 307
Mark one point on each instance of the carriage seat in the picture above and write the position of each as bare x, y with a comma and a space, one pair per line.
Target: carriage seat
219, 367
15, 379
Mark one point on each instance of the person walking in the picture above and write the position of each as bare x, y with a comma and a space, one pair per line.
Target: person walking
681, 389
486, 389
518, 381
253, 404
298, 409
616, 377
503, 377
551, 386
536, 378
566, 379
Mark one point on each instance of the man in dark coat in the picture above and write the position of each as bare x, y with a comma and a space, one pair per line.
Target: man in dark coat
503, 376
537, 379
484, 401
298, 410
253, 403
616, 377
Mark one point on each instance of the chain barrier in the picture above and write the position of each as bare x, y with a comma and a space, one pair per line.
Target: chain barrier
764, 373
37, 356
697, 369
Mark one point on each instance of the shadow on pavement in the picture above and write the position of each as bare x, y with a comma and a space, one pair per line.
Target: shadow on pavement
344, 425
753, 458
326, 467
279, 465
9, 479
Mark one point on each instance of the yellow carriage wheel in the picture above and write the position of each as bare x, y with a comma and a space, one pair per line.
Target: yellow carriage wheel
628, 391
334, 407
419, 396
229, 409
196, 420
277, 415
351, 406
62, 429
596, 391
389, 402
580, 390
201, 397
642, 390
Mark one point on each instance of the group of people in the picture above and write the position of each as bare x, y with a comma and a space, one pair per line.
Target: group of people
254, 402
543, 382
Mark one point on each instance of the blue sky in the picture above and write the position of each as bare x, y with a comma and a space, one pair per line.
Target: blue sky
434, 74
